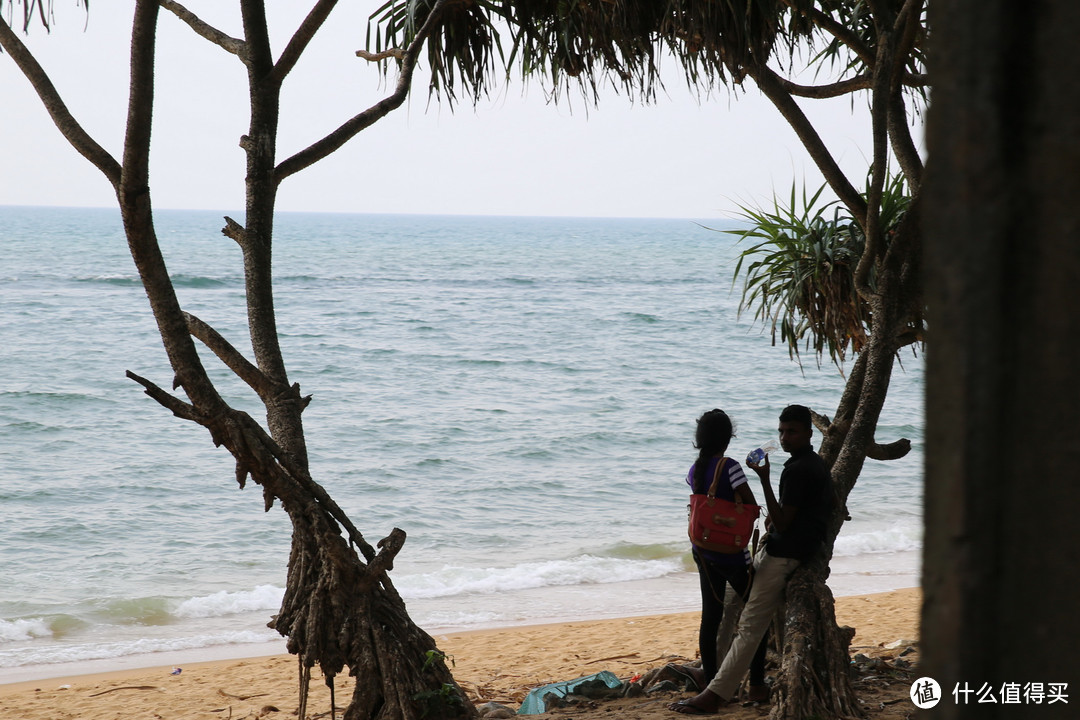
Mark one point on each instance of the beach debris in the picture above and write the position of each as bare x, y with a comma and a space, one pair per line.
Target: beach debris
176, 671
125, 687
614, 657
602, 684
678, 676
897, 644
222, 693
865, 662
495, 711
64, 687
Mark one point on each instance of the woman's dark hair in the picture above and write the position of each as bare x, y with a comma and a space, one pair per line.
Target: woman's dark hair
714, 432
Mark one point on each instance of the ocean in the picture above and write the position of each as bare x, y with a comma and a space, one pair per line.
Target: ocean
517, 394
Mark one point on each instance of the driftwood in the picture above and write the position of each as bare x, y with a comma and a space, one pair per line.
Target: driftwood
126, 687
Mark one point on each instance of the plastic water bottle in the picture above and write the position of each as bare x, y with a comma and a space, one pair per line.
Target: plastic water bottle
758, 456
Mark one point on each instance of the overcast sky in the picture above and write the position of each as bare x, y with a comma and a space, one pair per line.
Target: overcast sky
515, 154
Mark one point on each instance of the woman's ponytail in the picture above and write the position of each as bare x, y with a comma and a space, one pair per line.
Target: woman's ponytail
714, 433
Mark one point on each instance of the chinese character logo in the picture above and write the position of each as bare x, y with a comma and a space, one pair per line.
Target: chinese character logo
925, 693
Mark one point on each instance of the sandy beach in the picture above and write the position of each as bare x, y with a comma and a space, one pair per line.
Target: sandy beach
492, 665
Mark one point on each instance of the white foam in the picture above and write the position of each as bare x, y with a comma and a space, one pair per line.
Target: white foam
581, 570
896, 538
262, 597
24, 629
78, 652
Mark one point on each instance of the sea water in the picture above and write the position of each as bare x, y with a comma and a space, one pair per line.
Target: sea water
517, 394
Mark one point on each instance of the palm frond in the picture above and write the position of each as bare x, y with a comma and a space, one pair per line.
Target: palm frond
42, 9
584, 42
799, 271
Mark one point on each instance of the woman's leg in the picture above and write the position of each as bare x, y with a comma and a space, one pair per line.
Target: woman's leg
712, 612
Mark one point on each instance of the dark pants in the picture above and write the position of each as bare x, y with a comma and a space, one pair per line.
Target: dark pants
714, 581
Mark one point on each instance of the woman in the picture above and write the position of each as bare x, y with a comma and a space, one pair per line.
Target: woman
717, 570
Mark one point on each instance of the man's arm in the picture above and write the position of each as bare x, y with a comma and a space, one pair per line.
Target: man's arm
780, 516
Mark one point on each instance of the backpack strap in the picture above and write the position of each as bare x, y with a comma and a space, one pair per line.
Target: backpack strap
716, 476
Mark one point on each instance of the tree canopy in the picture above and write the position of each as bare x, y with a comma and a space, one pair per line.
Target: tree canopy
849, 282
340, 608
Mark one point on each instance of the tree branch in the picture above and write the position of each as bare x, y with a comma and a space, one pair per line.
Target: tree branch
257, 38
903, 145
300, 40
321, 149
836, 89
389, 546
254, 433
821, 422
838, 31
771, 86
397, 53
225, 42
235, 230
907, 26
879, 118
891, 451
879, 8
178, 407
136, 158
233, 359
133, 195
916, 80
61, 116
833, 436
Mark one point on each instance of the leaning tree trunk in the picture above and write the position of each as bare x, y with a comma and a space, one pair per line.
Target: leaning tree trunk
340, 610
815, 673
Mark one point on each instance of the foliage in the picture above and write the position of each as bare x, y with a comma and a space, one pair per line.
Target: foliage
587, 42
446, 699
800, 273
592, 42
42, 8
444, 702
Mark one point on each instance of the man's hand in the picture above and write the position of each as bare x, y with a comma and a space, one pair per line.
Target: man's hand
762, 469
779, 516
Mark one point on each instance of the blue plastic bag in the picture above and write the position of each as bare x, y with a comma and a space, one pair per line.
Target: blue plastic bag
534, 701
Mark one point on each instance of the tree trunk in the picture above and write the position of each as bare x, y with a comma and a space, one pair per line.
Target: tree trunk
815, 676
815, 669
339, 610
1003, 257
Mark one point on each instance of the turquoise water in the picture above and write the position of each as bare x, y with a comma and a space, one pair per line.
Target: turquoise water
518, 394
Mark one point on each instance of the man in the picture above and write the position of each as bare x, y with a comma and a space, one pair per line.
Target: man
796, 529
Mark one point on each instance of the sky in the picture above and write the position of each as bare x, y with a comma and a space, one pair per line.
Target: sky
513, 154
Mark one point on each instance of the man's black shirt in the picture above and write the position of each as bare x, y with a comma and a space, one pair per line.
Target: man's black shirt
805, 484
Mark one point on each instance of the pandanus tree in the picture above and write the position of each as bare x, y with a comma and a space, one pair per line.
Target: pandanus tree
849, 283
340, 610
